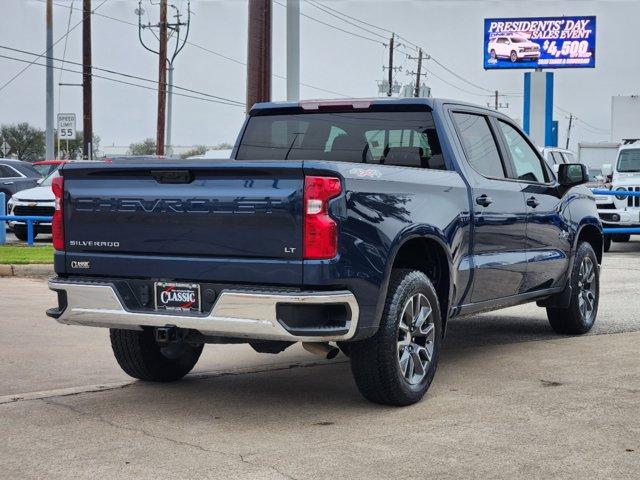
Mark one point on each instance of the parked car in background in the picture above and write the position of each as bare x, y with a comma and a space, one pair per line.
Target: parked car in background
36, 201
368, 223
513, 47
16, 175
556, 156
45, 167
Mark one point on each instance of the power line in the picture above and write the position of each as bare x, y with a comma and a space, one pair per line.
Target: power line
334, 27
204, 49
8, 82
204, 97
324, 9
127, 75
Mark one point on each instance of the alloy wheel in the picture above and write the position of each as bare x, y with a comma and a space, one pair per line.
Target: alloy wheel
587, 289
416, 336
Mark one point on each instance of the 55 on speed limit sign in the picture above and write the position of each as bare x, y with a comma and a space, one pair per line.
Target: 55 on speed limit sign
67, 126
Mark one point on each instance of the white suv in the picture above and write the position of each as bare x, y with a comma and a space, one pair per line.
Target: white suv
620, 210
513, 47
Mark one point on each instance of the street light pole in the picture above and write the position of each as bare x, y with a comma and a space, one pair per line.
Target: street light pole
50, 152
169, 108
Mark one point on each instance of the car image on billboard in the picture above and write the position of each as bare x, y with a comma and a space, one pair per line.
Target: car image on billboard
544, 42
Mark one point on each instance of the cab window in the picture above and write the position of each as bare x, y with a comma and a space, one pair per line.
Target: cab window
528, 166
479, 145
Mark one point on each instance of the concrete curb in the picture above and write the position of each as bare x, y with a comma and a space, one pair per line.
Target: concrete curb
30, 270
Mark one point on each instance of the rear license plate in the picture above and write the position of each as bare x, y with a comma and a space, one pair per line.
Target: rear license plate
182, 297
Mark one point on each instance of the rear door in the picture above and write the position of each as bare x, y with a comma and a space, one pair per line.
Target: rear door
547, 241
499, 258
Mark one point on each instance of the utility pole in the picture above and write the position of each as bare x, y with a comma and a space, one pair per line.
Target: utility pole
162, 78
416, 92
259, 53
569, 130
87, 99
497, 105
165, 102
293, 50
50, 152
390, 90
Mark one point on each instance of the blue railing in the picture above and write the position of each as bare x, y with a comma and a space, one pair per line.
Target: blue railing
618, 193
29, 220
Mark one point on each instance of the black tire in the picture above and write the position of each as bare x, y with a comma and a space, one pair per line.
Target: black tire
21, 233
513, 57
140, 356
493, 54
621, 237
578, 318
607, 243
376, 361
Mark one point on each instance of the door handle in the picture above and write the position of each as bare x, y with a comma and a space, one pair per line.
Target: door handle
484, 200
532, 202
8, 183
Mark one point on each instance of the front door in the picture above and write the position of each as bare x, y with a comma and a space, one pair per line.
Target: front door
547, 241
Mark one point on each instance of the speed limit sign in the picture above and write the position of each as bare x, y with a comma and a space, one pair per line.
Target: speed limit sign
67, 126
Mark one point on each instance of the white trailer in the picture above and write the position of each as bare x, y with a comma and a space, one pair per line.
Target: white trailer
625, 117
594, 155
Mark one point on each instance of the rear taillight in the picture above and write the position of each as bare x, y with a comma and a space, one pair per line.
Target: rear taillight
57, 224
320, 230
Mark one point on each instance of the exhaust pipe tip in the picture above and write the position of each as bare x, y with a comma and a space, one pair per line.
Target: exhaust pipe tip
321, 349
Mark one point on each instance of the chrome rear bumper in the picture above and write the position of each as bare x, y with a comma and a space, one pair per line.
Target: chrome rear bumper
240, 314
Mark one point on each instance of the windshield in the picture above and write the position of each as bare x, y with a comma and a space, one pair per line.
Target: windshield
629, 160
387, 138
47, 180
518, 40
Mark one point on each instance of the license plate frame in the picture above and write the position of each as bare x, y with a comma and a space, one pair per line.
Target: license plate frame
186, 298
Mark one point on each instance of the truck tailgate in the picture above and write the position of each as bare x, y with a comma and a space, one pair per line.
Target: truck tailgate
188, 208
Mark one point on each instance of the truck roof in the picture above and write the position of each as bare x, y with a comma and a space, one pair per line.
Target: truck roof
356, 104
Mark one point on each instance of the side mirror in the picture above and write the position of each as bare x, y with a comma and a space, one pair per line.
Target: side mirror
572, 174
607, 170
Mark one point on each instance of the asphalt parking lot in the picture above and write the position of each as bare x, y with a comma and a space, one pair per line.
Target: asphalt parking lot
510, 400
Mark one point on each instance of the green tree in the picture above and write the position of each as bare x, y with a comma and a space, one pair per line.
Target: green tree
74, 148
197, 150
146, 147
26, 142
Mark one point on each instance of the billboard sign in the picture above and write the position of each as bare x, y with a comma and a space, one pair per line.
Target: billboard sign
542, 42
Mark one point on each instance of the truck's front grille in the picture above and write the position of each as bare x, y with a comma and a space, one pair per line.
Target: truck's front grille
27, 210
633, 201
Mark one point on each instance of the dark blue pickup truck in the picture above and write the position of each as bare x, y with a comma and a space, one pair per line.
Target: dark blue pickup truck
365, 223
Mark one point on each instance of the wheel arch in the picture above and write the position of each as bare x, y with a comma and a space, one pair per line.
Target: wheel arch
592, 234
427, 251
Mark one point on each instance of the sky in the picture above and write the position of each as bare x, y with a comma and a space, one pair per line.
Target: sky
451, 31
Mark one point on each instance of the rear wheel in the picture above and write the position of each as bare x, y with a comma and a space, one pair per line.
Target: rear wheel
580, 315
513, 56
140, 356
492, 54
396, 366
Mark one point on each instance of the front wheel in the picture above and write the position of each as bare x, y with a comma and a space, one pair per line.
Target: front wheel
21, 233
513, 57
621, 237
492, 54
607, 242
396, 365
580, 315
141, 357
